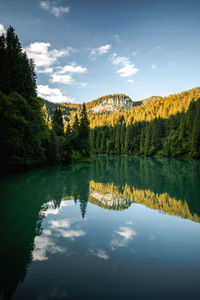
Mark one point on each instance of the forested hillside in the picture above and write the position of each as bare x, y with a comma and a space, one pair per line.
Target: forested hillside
105, 105
166, 126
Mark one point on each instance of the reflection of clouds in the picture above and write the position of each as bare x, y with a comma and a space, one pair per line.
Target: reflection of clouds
101, 253
55, 228
43, 244
49, 208
61, 228
71, 233
60, 223
122, 237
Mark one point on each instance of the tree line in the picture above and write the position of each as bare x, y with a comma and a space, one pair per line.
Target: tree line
178, 135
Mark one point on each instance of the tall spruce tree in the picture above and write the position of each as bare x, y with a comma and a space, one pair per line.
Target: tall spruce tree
23, 132
17, 71
57, 123
84, 132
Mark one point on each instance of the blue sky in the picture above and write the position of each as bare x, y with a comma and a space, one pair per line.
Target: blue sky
85, 49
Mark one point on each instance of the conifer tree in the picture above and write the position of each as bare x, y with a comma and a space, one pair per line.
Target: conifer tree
84, 132
57, 123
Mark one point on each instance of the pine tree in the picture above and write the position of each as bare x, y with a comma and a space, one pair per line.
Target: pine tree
17, 71
84, 132
57, 123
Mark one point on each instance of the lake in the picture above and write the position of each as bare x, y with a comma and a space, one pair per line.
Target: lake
116, 228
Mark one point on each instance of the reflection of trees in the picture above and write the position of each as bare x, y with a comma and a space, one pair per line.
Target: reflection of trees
169, 185
110, 196
22, 196
179, 178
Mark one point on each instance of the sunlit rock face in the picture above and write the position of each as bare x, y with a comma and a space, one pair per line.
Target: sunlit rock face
113, 105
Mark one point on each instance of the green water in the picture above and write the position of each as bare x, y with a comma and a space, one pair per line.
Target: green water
116, 228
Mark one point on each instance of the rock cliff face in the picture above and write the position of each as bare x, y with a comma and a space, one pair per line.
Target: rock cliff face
113, 105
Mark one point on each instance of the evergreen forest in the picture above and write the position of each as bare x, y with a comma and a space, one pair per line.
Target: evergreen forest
35, 132
26, 140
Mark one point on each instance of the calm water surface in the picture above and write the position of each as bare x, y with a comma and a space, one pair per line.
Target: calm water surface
118, 228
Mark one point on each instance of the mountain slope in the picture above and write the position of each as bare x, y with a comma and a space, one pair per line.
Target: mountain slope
103, 105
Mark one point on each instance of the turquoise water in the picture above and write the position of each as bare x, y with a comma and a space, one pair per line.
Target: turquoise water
116, 228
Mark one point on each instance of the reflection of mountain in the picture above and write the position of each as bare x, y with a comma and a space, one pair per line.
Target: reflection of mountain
110, 196
169, 185
107, 196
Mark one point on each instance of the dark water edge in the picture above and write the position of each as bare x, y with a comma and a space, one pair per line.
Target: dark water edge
145, 242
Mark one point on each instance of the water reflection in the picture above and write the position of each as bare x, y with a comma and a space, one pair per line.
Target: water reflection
34, 205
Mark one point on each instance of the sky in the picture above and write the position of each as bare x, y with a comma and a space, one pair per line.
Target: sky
85, 49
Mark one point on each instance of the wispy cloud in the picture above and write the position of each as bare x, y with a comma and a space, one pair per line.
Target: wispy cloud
134, 53
71, 69
101, 50
2, 29
45, 71
153, 66
66, 79
53, 95
44, 56
100, 253
64, 75
130, 80
55, 10
122, 237
128, 68
70, 233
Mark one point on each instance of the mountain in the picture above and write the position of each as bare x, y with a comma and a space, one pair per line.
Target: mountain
103, 105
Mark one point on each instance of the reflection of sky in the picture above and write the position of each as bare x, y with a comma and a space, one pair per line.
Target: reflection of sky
107, 246
103, 231
122, 236
55, 227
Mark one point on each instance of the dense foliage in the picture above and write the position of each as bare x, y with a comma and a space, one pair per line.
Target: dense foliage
25, 138
23, 132
167, 127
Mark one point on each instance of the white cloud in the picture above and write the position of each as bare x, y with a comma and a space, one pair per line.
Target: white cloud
71, 69
2, 29
130, 80
71, 233
128, 68
60, 223
66, 79
44, 244
53, 95
101, 50
45, 71
42, 56
55, 10
100, 253
116, 60
122, 237
45, 5
153, 67
126, 232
